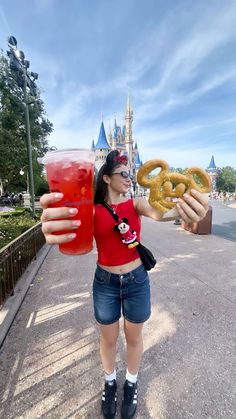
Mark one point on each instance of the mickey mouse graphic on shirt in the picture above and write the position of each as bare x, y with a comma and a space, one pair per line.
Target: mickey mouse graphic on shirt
128, 236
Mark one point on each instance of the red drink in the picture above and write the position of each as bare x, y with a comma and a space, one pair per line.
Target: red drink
68, 172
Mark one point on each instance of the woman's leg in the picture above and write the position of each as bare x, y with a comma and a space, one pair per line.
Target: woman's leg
108, 339
134, 341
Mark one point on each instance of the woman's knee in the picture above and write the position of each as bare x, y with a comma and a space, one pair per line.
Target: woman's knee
133, 333
109, 334
108, 340
133, 340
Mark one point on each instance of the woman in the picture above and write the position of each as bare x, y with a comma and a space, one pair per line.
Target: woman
121, 283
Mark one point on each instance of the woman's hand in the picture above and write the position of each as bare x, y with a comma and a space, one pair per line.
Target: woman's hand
57, 219
192, 208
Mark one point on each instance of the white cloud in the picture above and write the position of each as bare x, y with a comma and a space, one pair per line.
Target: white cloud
187, 59
199, 43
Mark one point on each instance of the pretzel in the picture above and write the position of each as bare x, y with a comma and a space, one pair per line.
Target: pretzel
167, 185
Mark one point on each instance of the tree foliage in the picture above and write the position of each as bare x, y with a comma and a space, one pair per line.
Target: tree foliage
13, 146
226, 179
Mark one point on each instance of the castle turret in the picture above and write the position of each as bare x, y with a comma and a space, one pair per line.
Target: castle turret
137, 161
212, 171
93, 146
128, 131
102, 148
110, 139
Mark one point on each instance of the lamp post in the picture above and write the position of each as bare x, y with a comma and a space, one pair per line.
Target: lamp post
20, 66
27, 179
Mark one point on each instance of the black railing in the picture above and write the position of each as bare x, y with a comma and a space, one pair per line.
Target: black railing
16, 256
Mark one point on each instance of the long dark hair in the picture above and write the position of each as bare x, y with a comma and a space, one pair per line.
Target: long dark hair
113, 160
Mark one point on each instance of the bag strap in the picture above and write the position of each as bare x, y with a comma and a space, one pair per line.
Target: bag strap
111, 211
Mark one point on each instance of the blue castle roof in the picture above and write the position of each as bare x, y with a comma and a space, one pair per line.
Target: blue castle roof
137, 161
212, 164
212, 169
102, 139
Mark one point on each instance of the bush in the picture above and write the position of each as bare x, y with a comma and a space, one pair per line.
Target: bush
15, 213
13, 225
41, 187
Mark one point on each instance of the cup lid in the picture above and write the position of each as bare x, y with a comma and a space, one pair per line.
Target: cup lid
73, 154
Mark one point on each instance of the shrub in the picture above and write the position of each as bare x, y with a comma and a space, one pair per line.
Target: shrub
14, 213
13, 225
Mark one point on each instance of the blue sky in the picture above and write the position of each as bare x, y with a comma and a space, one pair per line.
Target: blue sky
176, 58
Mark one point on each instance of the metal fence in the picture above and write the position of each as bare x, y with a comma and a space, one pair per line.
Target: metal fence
16, 256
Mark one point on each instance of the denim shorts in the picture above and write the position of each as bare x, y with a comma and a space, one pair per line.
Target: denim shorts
128, 292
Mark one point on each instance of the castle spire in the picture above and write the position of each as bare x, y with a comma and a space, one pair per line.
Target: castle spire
128, 107
212, 171
212, 164
93, 145
110, 135
128, 130
102, 139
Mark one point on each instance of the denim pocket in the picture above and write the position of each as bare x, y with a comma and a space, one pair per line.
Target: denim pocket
101, 279
141, 277
101, 276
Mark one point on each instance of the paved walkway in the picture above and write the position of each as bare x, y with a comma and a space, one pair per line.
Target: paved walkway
224, 220
49, 363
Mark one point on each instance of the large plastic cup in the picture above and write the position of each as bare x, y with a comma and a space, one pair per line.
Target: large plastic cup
71, 172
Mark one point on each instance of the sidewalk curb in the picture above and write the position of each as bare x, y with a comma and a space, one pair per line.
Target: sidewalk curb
13, 303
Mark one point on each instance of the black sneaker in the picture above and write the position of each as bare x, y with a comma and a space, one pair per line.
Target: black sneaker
109, 397
129, 402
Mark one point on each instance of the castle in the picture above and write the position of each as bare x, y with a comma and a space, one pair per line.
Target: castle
120, 138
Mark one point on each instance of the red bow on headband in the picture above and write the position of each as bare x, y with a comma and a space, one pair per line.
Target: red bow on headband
121, 159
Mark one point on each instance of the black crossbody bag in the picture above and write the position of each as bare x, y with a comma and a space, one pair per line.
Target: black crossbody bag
145, 254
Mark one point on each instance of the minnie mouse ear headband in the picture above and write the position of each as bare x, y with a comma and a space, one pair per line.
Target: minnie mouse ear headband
115, 156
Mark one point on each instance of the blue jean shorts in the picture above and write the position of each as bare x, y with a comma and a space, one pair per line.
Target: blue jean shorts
128, 293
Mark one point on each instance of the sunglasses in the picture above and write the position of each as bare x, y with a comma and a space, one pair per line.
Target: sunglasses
124, 174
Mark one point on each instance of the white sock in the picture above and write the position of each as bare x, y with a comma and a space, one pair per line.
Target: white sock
110, 377
131, 377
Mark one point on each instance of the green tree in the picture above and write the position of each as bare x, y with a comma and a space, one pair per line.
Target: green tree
13, 149
178, 170
226, 179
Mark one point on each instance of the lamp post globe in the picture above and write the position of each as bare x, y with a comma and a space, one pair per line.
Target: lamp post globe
12, 42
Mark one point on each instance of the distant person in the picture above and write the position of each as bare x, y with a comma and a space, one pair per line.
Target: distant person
225, 197
121, 283
21, 199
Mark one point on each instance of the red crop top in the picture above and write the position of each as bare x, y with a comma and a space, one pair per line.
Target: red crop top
111, 250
